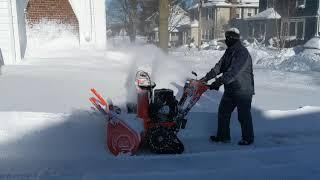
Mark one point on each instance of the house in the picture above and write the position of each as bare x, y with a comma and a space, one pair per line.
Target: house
261, 27
299, 20
85, 18
178, 26
216, 14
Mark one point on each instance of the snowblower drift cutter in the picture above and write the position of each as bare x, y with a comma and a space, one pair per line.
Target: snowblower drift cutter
158, 119
121, 138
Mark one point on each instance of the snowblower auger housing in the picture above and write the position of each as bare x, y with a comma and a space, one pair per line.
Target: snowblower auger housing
158, 113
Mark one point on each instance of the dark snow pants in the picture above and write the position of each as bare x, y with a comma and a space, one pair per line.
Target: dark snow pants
228, 103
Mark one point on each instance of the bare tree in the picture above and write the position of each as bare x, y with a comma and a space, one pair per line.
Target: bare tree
126, 12
177, 16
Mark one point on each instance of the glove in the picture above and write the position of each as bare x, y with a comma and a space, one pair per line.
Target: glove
216, 84
204, 79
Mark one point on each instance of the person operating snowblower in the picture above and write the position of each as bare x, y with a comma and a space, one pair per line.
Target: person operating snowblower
237, 78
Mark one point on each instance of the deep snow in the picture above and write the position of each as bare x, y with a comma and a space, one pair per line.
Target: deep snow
49, 131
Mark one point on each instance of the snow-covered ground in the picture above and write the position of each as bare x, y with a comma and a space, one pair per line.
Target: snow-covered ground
48, 130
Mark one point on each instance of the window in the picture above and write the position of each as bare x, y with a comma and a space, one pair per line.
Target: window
204, 12
238, 13
300, 29
293, 29
250, 12
251, 30
210, 15
300, 3
285, 29
202, 34
209, 11
257, 30
205, 34
212, 33
263, 29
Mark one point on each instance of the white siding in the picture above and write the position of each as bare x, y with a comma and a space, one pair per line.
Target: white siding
92, 22
12, 30
5, 35
19, 26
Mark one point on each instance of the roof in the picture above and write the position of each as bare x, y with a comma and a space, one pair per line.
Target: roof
266, 14
178, 18
223, 3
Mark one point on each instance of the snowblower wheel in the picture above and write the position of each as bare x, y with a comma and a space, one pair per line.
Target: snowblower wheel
162, 140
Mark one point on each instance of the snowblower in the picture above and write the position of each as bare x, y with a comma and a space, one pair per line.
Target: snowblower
153, 122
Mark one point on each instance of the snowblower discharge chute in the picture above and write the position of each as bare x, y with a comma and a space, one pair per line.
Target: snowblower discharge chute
153, 122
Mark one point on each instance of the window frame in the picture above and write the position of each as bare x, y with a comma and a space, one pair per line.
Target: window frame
250, 11
288, 34
238, 15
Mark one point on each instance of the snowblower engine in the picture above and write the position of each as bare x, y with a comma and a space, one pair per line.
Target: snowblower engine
164, 107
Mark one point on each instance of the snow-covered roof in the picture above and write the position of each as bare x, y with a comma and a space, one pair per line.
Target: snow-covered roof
313, 43
266, 14
223, 3
178, 18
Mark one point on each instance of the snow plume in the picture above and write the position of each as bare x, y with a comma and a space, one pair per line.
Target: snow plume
161, 68
49, 35
140, 62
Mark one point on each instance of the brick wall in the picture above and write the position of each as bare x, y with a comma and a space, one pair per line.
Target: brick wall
59, 11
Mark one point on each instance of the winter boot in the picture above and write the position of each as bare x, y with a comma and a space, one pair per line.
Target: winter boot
244, 142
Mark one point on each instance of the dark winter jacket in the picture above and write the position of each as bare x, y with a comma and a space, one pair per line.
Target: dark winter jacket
236, 68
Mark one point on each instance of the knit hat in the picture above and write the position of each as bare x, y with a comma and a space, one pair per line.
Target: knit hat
233, 33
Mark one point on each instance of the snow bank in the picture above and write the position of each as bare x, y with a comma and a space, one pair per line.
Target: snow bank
298, 59
313, 43
307, 60
276, 114
302, 62
257, 53
272, 58
269, 13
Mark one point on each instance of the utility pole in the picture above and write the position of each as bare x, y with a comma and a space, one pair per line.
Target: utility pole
199, 26
163, 24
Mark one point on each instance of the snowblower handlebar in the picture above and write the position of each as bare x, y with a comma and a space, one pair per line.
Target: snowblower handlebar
192, 91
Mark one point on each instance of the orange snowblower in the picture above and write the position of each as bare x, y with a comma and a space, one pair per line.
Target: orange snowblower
152, 122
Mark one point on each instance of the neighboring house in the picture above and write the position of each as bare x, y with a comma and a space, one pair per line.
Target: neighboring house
299, 20
216, 14
262, 26
178, 26
86, 18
